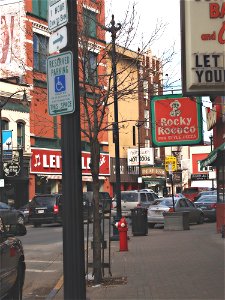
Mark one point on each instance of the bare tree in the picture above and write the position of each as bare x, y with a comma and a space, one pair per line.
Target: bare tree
96, 85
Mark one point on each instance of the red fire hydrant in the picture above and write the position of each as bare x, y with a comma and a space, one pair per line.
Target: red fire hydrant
122, 228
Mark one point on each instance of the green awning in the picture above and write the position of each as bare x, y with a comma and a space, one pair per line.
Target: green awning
211, 158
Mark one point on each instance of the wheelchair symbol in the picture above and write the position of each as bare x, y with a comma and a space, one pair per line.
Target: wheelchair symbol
60, 83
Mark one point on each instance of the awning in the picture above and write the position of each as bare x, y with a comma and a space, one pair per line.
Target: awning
153, 181
211, 159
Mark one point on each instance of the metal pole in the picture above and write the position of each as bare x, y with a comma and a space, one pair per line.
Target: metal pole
139, 156
113, 29
1, 159
73, 230
211, 141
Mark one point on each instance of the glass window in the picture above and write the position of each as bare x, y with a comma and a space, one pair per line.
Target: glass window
39, 8
143, 197
90, 67
40, 52
90, 23
145, 89
20, 135
146, 116
5, 125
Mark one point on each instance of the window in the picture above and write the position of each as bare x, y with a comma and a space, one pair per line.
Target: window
147, 143
40, 52
90, 23
146, 116
20, 135
145, 89
39, 8
90, 67
5, 125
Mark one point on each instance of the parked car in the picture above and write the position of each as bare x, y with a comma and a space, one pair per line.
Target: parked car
12, 262
204, 193
207, 203
191, 193
25, 210
46, 209
157, 210
11, 215
133, 199
105, 202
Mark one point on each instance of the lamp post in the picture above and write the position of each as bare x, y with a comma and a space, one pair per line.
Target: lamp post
138, 125
211, 144
3, 102
113, 30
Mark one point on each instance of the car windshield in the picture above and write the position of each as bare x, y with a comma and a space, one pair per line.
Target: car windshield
207, 199
130, 197
43, 201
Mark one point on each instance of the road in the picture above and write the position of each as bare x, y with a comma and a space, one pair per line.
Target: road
43, 248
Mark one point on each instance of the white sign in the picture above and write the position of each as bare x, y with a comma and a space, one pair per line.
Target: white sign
57, 14
60, 82
58, 40
2, 182
203, 68
147, 157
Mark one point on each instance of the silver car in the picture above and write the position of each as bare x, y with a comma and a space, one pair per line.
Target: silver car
134, 199
157, 210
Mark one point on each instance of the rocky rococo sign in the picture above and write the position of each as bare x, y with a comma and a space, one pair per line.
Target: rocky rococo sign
176, 120
203, 39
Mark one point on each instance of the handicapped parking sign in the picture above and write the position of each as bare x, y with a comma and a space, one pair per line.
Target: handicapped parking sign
60, 84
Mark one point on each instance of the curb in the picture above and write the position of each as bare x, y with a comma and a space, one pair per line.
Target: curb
56, 289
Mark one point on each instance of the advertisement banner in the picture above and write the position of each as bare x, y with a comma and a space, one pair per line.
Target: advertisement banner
49, 161
176, 120
147, 157
7, 144
202, 43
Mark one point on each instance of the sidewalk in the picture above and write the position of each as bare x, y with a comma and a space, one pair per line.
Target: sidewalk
166, 265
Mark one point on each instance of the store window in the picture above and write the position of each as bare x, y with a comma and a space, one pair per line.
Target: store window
39, 8
40, 49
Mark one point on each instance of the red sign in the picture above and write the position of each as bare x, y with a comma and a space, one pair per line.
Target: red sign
49, 161
176, 120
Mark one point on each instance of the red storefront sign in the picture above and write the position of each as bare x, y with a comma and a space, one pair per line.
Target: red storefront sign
176, 120
49, 161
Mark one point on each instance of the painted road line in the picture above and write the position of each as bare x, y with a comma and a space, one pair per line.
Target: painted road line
40, 271
55, 290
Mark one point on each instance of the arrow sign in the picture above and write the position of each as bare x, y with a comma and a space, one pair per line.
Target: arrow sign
58, 40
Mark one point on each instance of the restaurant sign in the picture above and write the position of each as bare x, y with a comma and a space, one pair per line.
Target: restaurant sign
203, 39
176, 120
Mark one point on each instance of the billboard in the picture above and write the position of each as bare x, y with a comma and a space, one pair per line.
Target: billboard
12, 38
146, 157
202, 43
176, 120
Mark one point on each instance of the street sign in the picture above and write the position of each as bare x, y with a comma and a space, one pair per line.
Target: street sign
57, 14
170, 163
60, 83
58, 40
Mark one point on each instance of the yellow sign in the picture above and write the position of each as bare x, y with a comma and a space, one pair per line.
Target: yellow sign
170, 163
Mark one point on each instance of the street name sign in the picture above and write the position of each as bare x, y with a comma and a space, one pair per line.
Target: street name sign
58, 40
57, 14
60, 84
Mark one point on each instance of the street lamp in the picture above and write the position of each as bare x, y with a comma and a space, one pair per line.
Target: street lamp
3, 102
211, 144
113, 30
138, 125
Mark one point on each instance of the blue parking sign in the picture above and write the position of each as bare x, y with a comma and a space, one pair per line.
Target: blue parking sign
60, 83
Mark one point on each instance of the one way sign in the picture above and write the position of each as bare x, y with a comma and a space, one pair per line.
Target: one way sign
58, 40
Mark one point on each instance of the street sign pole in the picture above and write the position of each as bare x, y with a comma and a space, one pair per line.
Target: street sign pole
73, 231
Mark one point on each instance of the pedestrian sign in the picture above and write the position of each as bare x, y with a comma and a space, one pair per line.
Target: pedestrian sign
60, 82
170, 163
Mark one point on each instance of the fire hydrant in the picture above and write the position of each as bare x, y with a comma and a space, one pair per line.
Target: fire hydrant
122, 228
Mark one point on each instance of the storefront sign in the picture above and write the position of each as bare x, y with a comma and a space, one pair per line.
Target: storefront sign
147, 157
152, 171
199, 176
176, 120
212, 116
49, 161
11, 168
203, 27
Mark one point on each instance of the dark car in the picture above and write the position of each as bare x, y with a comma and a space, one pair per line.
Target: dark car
105, 202
45, 209
207, 203
25, 210
12, 262
11, 215
205, 193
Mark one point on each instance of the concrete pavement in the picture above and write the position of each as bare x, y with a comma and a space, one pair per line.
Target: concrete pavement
164, 265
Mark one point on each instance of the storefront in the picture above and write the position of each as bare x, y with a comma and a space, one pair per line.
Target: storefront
46, 171
154, 178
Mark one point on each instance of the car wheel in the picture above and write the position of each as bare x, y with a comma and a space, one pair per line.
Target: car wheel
201, 219
16, 291
20, 219
37, 224
151, 225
